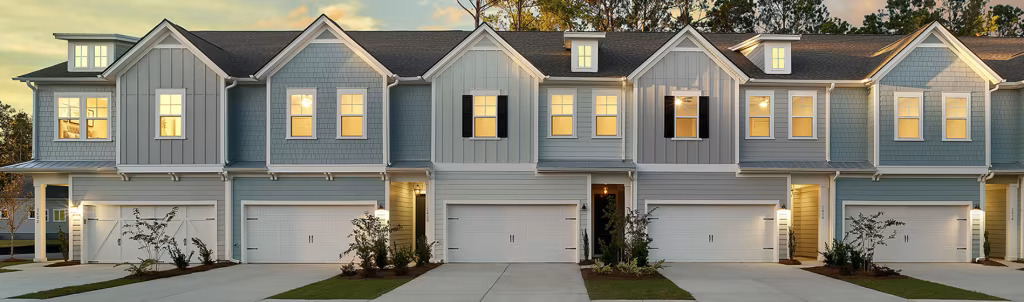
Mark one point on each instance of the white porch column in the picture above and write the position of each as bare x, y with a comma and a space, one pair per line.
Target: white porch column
40, 229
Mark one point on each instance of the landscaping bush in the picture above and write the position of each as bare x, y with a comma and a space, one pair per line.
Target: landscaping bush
792, 243
586, 246
987, 246
178, 257
423, 250
369, 235
836, 255
63, 237
205, 254
867, 232
151, 234
400, 258
602, 269
613, 251
348, 269
857, 261
145, 266
609, 252
883, 271
638, 243
633, 268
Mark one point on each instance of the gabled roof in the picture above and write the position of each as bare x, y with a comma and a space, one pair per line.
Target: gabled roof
482, 31
319, 25
715, 54
910, 42
203, 50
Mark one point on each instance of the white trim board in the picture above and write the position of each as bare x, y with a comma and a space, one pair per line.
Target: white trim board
353, 168
969, 170
308, 203
696, 168
473, 167
207, 168
514, 202
714, 202
967, 203
149, 203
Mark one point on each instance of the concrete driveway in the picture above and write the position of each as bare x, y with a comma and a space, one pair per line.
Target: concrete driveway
248, 282
764, 282
34, 277
494, 282
1003, 282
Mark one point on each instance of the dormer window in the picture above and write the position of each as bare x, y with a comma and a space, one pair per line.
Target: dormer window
773, 53
100, 56
89, 56
584, 59
779, 58
584, 50
81, 56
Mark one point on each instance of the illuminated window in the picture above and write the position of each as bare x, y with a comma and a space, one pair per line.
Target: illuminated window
170, 113
485, 116
686, 108
759, 115
956, 112
585, 56
351, 113
606, 115
75, 110
562, 115
60, 215
81, 56
69, 113
778, 58
908, 115
100, 56
802, 114
301, 109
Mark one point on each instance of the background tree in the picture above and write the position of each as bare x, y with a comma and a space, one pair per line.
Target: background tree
648, 15
901, 17
476, 9
687, 9
604, 15
1006, 20
835, 26
791, 16
15, 207
965, 17
515, 15
561, 15
15, 147
729, 16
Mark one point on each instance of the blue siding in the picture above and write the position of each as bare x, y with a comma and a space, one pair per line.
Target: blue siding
326, 67
298, 189
1006, 112
933, 70
410, 122
850, 140
247, 123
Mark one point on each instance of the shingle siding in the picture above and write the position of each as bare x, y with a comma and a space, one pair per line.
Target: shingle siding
326, 67
247, 123
1006, 113
410, 122
933, 70
850, 140
782, 147
45, 120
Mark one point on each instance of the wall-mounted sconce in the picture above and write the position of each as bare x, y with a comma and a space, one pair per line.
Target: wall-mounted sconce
606, 189
418, 189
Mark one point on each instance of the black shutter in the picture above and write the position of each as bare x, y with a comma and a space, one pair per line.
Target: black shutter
670, 116
467, 116
502, 116
703, 117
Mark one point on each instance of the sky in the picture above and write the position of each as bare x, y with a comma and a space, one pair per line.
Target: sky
27, 26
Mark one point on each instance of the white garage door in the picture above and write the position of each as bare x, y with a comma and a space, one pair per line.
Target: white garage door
105, 225
299, 233
512, 233
713, 233
931, 234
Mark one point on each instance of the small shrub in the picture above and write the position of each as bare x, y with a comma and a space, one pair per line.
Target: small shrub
145, 266
792, 243
652, 268
205, 254
370, 243
424, 250
348, 269
586, 245
400, 258
857, 260
987, 246
836, 255
63, 237
181, 261
630, 268
609, 252
883, 271
601, 268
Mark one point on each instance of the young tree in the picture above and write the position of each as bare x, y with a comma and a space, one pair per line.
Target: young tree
476, 9
1007, 20
965, 17
151, 234
15, 147
730, 16
14, 207
867, 232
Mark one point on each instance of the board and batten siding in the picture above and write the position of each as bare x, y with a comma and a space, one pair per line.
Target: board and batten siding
170, 68
908, 189
326, 67
584, 146
707, 186
850, 113
933, 70
410, 122
247, 123
45, 118
782, 147
686, 70
484, 70
480, 186
298, 189
1006, 126
144, 188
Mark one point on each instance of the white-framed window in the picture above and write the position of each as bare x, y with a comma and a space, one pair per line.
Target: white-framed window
778, 57
606, 113
81, 56
351, 113
584, 56
760, 115
687, 114
76, 109
562, 113
909, 116
60, 215
803, 115
100, 56
86, 56
170, 113
485, 114
585, 59
301, 122
956, 116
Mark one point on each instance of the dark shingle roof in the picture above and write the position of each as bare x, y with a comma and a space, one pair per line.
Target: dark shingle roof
243, 53
1004, 55
619, 53
816, 57
408, 53
59, 70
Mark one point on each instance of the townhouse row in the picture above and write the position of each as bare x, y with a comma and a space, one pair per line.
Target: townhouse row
510, 146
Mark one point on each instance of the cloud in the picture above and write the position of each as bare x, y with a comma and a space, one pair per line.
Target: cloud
448, 17
346, 14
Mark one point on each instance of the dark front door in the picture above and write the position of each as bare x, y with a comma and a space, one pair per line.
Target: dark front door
421, 215
603, 203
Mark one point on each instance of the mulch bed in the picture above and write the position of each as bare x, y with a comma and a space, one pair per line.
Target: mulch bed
587, 262
178, 272
390, 273
588, 273
64, 263
789, 262
835, 273
987, 262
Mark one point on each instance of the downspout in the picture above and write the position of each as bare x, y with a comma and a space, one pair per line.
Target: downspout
622, 127
988, 123
833, 204
387, 120
234, 82
828, 122
35, 113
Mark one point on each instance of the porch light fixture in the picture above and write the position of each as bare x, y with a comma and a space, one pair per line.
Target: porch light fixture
418, 189
605, 189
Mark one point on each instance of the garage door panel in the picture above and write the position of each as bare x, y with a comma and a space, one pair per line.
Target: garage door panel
712, 233
300, 233
107, 242
932, 233
511, 233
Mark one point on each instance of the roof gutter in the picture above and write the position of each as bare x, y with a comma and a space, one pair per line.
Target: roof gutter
586, 79
840, 83
81, 79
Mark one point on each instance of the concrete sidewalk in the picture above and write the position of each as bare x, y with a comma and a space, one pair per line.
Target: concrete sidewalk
765, 282
34, 277
1003, 282
494, 282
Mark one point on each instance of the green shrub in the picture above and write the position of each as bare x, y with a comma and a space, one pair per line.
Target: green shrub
181, 261
586, 245
987, 246
857, 260
144, 266
630, 268
424, 250
205, 254
400, 258
348, 269
370, 243
63, 237
836, 255
792, 243
601, 268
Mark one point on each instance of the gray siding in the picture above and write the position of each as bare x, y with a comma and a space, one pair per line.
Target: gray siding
170, 68
782, 147
933, 70
584, 146
297, 189
45, 120
850, 141
756, 56
326, 67
503, 186
686, 71
410, 122
484, 69
247, 123
707, 186
907, 189
1006, 126
152, 189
